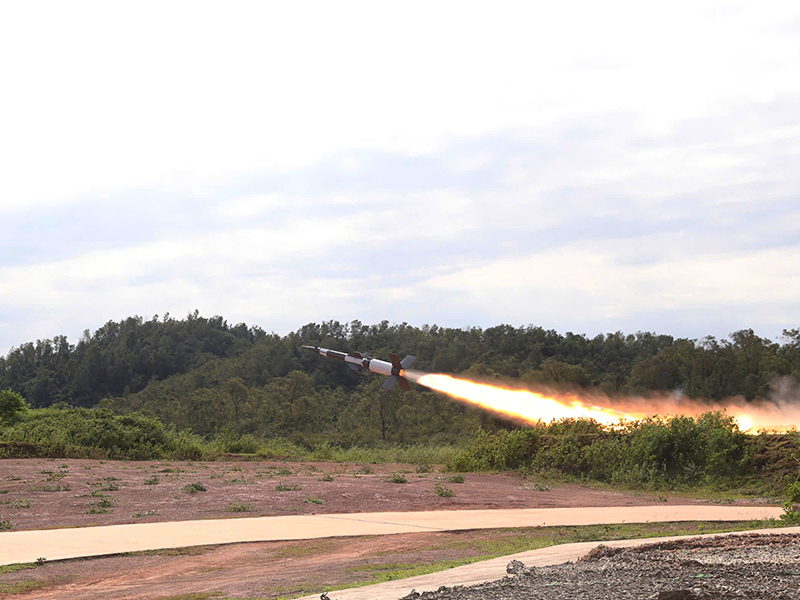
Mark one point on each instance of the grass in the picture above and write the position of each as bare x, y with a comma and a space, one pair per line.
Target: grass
5, 524
183, 551
20, 587
18, 567
19, 503
240, 507
397, 478
457, 478
414, 454
314, 500
193, 488
282, 487
65, 487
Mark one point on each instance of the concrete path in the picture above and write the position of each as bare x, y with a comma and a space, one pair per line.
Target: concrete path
56, 544
491, 570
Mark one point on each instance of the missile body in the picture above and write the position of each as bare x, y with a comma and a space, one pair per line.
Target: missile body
360, 361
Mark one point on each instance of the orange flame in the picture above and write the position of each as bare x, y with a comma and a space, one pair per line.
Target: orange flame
532, 407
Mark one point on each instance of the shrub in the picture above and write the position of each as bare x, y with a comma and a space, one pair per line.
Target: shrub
397, 478
282, 487
5, 524
193, 488
443, 491
326, 477
457, 478
499, 451
240, 507
314, 500
12, 407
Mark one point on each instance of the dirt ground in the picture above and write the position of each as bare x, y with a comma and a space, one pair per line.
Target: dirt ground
271, 570
44, 493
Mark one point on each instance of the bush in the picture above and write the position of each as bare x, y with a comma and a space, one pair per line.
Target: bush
443, 491
397, 478
282, 487
790, 514
240, 507
193, 488
498, 452
12, 407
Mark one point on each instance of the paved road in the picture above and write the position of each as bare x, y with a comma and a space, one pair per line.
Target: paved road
55, 544
491, 570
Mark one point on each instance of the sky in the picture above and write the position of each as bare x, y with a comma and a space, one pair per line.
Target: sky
581, 166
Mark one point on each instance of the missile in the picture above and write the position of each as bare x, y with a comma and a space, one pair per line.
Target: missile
361, 361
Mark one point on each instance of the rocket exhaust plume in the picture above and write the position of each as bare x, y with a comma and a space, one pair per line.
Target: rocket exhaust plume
530, 406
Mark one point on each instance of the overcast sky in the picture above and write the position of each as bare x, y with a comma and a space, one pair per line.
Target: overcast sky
583, 166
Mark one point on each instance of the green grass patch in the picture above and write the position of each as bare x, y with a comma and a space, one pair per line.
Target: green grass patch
20, 587
397, 478
283, 487
314, 500
193, 488
17, 567
240, 507
443, 491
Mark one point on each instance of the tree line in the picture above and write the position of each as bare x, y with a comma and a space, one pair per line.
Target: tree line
209, 377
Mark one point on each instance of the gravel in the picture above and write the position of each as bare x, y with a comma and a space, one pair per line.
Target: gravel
749, 566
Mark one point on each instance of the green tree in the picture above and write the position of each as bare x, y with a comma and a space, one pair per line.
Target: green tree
12, 407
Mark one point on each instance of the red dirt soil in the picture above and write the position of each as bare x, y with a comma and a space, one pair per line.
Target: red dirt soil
45, 493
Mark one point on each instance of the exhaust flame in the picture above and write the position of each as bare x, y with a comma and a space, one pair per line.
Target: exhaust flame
531, 406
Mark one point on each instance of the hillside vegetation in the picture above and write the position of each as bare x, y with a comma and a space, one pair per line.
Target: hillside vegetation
198, 387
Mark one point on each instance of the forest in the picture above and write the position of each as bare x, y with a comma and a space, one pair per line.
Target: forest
209, 378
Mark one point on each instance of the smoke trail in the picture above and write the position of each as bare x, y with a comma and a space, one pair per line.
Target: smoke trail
780, 413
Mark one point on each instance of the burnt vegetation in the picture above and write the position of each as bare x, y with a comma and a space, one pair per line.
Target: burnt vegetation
197, 387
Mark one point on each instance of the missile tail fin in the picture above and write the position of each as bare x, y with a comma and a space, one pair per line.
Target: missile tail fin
407, 361
395, 380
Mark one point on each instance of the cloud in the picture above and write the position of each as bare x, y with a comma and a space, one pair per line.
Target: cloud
591, 165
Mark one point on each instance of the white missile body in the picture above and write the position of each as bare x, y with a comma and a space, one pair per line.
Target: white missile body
359, 361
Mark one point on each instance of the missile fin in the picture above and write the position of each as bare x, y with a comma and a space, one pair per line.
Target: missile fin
403, 383
391, 382
395, 361
407, 361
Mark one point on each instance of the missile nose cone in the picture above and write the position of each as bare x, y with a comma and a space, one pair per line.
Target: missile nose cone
312, 348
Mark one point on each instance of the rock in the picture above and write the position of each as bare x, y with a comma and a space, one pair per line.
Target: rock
515, 567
